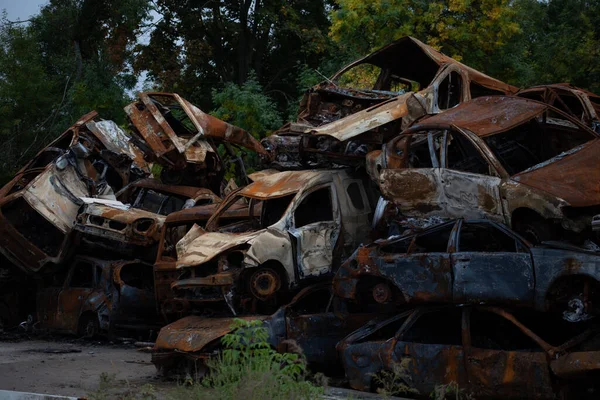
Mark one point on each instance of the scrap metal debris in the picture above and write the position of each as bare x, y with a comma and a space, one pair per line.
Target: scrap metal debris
408, 180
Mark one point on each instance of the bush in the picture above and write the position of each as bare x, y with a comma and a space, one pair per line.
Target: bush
248, 368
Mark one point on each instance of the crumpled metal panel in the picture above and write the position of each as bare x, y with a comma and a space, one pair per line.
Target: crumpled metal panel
284, 183
193, 333
117, 141
487, 115
573, 177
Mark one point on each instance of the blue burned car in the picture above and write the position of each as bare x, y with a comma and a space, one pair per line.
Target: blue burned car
473, 261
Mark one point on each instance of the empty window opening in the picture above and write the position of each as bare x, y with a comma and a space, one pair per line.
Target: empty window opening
478, 90
316, 207
491, 331
274, 209
450, 91
139, 276
34, 227
385, 332
437, 327
482, 237
355, 195
433, 241
533, 143
83, 275
462, 155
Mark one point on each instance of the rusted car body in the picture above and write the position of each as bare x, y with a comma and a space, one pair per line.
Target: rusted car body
97, 297
133, 229
306, 321
183, 139
508, 159
579, 103
373, 99
299, 226
487, 351
476, 261
38, 207
176, 226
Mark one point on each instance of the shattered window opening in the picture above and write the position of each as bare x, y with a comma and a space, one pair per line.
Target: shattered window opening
436, 327
400, 246
478, 90
482, 237
316, 207
571, 105
158, 203
493, 332
83, 275
355, 194
433, 241
139, 276
419, 155
450, 91
462, 155
534, 143
385, 332
171, 110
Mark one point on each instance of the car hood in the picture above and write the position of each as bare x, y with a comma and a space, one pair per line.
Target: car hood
572, 176
193, 333
199, 246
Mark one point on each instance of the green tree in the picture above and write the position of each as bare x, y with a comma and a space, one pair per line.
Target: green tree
199, 45
468, 30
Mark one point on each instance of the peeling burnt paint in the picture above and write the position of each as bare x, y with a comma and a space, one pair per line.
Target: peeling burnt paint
338, 124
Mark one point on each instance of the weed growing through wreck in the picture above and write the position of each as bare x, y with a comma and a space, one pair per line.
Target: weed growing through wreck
107, 390
396, 381
248, 368
450, 391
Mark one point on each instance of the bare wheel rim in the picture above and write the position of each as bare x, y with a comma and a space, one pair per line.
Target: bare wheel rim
264, 283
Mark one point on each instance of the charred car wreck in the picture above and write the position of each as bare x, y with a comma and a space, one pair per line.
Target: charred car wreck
92, 159
507, 159
298, 225
99, 296
373, 99
477, 261
131, 227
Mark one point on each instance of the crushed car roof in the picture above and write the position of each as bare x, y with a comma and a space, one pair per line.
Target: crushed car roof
410, 48
285, 183
486, 116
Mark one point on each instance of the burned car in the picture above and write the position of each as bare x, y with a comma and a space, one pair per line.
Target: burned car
38, 207
98, 296
306, 322
131, 227
473, 261
175, 227
299, 225
508, 159
577, 102
183, 139
373, 99
487, 352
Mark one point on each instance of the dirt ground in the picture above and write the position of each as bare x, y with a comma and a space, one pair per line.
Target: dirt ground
72, 367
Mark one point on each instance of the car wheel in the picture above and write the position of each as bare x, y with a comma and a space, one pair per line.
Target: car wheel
535, 230
89, 326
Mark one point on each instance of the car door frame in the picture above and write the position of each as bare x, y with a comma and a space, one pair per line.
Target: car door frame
472, 195
444, 72
296, 234
70, 318
452, 350
461, 261
474, 355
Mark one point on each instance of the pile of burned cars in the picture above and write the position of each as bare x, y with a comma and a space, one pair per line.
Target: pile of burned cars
419, 220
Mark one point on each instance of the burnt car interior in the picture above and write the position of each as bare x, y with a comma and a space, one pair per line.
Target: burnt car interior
535, 142
262, 214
